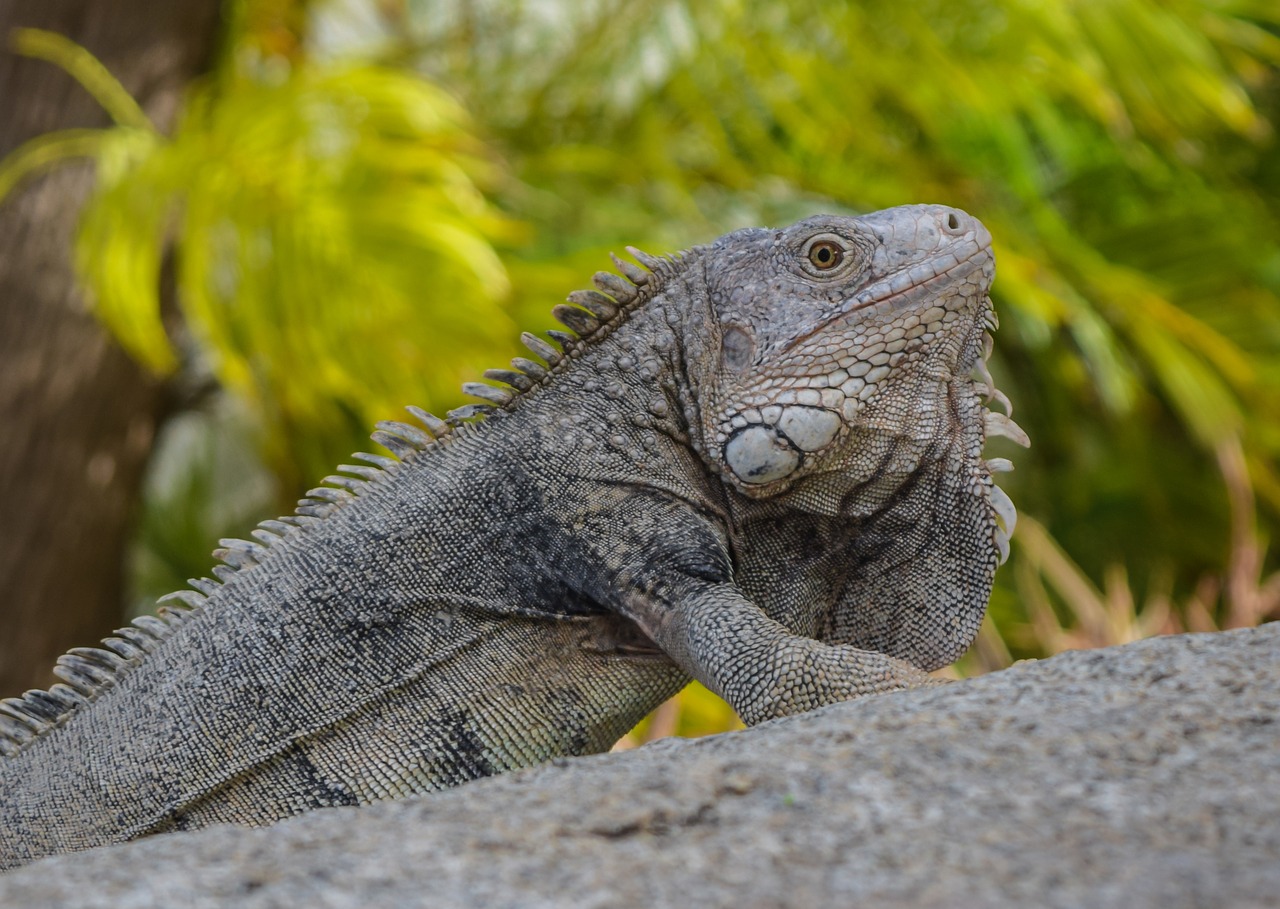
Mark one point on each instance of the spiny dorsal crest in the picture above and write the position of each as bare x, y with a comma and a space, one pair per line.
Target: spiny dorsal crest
88, 672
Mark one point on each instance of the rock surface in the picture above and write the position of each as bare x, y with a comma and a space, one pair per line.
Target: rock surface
1145, 775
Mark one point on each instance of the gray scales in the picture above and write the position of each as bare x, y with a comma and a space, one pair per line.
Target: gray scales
757, 463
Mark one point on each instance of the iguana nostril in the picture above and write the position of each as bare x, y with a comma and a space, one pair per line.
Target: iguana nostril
953, 222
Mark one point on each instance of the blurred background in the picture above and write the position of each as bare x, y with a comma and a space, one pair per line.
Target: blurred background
236, 233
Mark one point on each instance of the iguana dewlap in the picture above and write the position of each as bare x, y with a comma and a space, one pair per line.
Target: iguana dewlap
758, 463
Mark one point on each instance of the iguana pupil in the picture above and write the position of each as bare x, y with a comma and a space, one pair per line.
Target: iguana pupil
825, 255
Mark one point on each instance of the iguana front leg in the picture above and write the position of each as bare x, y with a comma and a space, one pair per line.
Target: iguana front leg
763, 670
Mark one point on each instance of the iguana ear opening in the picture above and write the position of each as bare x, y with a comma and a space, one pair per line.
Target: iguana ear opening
737, 348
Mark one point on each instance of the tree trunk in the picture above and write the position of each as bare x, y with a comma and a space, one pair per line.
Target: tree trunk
78, 415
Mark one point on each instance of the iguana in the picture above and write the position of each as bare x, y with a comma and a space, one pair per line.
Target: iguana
757, 463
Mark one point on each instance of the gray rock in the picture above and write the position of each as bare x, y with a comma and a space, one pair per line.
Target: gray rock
1145, 775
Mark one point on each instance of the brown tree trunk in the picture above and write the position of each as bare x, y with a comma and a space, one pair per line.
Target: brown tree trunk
77, 416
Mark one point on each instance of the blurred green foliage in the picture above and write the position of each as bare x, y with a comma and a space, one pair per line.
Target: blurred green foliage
366, 199
308, 211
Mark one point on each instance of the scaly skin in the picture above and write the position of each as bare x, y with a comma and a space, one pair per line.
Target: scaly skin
762, 471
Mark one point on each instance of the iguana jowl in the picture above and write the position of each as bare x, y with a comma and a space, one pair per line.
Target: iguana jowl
758, 463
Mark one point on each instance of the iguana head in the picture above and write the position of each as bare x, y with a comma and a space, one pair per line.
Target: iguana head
833, 324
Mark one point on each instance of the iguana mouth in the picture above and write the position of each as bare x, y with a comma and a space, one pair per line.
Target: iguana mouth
910, 285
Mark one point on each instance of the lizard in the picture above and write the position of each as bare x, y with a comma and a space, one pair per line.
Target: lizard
757, 463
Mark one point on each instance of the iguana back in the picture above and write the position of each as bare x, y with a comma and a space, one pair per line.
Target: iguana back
757, 463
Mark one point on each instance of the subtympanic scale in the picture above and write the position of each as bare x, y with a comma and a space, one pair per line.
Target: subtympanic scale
763, 452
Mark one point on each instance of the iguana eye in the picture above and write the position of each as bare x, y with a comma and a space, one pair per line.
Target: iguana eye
825, 255
828, 256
